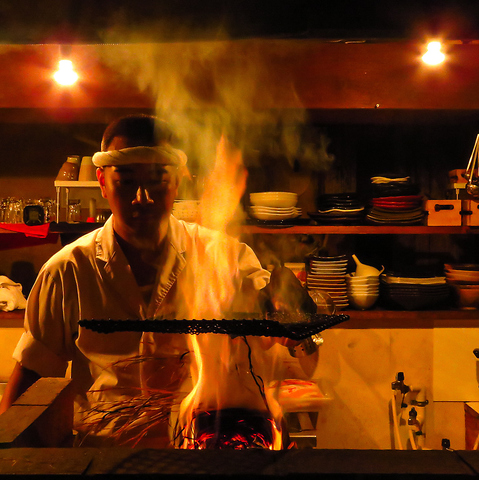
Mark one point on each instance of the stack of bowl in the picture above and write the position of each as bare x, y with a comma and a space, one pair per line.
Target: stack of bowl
363, 285
274, 206
464, 280
328, 274
363, 291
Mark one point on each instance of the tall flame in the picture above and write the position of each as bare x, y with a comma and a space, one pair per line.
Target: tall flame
223, 369
224, 187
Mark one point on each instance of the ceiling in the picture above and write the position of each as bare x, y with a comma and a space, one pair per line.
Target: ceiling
123, 21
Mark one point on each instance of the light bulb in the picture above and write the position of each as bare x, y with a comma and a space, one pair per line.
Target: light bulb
65, 75
433, 56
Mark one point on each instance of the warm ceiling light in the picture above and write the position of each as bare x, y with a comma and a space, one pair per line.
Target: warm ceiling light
65, 75
433, 56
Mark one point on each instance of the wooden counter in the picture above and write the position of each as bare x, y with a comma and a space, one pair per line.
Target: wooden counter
13, 319
231, 464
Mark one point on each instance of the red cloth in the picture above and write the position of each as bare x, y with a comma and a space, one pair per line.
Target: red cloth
26, 236
39, 231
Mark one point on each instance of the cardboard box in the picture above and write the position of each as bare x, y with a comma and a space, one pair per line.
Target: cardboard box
443, 212
470, 212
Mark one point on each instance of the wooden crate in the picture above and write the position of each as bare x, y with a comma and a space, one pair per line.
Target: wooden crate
470, 212
443, 212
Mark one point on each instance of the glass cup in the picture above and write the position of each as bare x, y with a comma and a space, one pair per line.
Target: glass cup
49, 205
74, 211
12, 210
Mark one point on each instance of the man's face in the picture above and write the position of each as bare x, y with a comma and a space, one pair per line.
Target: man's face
140, 196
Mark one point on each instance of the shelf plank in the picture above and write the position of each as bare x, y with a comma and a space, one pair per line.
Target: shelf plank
64, 227
77, 184
361, 230
364, 319
12, 319
377, 318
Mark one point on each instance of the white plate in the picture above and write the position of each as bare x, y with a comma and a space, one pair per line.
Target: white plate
326, 277
328, 264
323, 280
328, 284
316, 273
415, 281
341, 261
336, 288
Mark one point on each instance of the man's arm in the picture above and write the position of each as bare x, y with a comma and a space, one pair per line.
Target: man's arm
20, 380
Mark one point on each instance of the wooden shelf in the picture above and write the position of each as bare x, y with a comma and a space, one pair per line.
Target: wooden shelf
77, 184
13, 319
361, 230
378, 318
75, 228
365, 319
64, 227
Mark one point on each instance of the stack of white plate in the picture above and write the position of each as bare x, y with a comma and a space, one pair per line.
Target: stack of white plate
272, 206
362, 291
329, 274
413, 291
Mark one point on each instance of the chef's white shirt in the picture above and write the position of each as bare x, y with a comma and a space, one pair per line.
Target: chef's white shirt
91, 279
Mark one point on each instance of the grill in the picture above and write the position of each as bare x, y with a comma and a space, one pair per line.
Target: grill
280, 326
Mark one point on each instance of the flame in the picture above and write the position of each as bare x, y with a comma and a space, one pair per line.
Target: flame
224, 187
223, 369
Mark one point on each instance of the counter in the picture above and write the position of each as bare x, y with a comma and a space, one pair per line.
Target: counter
324, 464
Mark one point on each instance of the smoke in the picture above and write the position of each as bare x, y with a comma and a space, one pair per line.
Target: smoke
208, 88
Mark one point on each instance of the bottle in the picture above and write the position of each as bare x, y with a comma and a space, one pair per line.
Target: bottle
70, 169
87, 170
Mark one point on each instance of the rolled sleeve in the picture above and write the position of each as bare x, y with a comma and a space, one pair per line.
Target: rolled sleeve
46, 345
34, 355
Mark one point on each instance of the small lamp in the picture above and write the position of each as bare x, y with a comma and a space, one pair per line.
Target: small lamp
65, 75
433, 56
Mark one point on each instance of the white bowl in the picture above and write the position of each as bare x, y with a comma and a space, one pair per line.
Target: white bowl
366, 289
352, 280
274, 199
467, 296
362, 302
462, 275
257, 208
367, 271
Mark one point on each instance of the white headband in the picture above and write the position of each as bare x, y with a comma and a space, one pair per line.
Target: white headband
164, 154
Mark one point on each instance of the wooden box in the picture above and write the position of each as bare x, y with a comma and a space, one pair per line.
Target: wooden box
443, 212
470, 212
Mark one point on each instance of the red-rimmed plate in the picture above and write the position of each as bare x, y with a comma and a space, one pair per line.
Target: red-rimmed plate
404, 198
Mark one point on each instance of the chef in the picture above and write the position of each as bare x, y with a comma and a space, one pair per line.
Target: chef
139, 265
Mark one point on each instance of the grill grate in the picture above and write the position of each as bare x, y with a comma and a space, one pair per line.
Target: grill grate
311, 324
